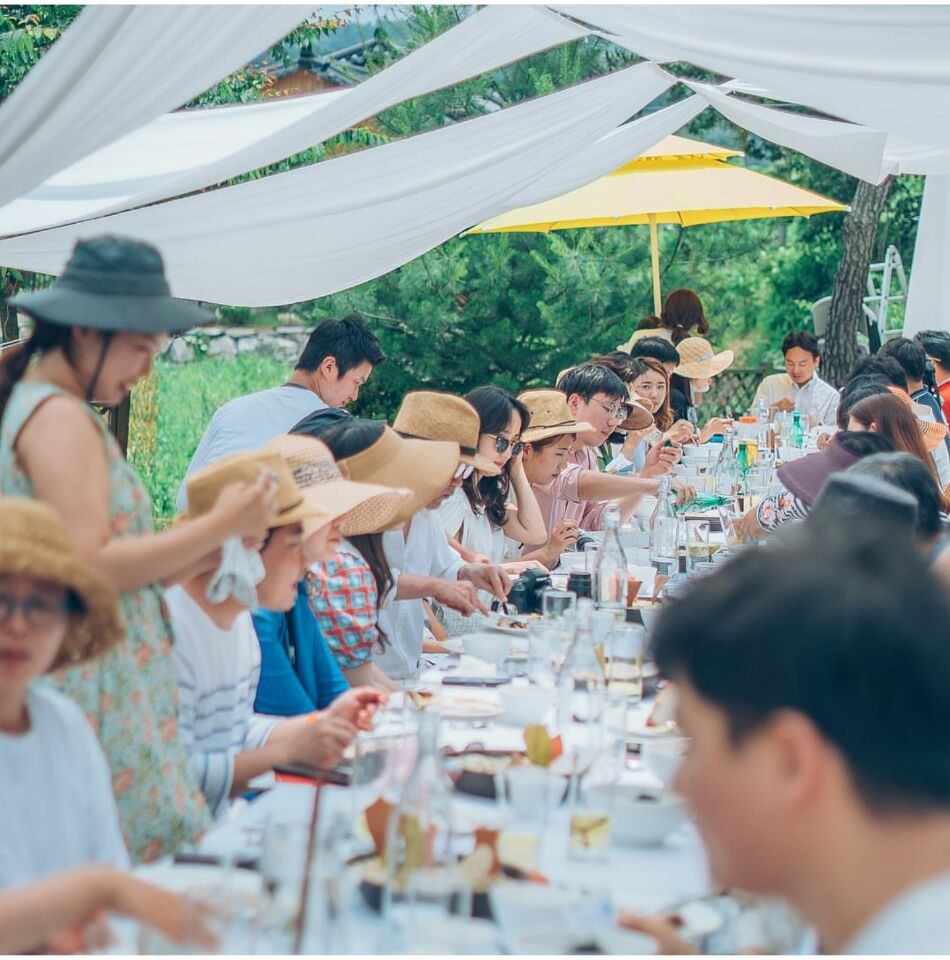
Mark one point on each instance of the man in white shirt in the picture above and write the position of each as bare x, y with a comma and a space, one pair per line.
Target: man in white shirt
336, 361
423, 564
800, 388
218, 659
813, 679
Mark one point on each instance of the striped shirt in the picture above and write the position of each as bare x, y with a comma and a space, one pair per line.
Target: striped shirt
218, 672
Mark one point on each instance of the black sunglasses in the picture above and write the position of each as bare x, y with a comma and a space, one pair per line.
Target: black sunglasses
503, 443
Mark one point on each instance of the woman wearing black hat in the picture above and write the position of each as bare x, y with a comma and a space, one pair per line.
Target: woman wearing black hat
95, 334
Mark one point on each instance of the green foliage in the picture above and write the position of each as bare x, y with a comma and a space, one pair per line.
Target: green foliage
171, 410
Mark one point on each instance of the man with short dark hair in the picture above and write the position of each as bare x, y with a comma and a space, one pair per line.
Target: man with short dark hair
811, 774
800, 388
336, 361
599, 402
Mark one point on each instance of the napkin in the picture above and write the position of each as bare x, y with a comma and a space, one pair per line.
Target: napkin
239, 572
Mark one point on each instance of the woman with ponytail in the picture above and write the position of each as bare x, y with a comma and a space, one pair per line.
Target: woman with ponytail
95, 334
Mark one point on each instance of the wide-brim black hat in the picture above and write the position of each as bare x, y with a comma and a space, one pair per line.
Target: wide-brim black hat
117, 284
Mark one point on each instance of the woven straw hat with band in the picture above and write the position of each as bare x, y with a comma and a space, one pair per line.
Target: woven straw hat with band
424, 466
359, 507
429, 415
34, 543
205, 486
931, 433
550, 416
697, 360
660, 332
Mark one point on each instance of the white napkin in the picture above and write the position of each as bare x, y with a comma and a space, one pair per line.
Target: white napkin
239, 572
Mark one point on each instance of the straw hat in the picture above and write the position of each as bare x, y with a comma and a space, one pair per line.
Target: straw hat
428, 415
932, 433
205, 486
360, 507
113, 283
424, 466
34, 542
697, 360
661, 332
550, 416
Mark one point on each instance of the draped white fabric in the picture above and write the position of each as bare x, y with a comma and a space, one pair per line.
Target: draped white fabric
883, 66
181, 152
115, 69
928, 299
331, 226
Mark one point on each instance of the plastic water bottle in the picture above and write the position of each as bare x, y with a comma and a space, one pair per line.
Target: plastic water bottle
796, 436
726, 471
610, 567
664, 533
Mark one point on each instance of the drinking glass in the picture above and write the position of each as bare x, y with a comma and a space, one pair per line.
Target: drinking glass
590, 556
589, 818
527, 794
435, 896
555, 603
543, 650
696, 535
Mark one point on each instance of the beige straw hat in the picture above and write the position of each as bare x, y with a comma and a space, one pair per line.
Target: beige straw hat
661, 332
34, 543
550, 416
429, 415
424, 466
931, 433
360, 507
205, 486
697, 360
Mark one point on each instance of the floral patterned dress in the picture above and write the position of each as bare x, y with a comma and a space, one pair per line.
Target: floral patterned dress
129, 695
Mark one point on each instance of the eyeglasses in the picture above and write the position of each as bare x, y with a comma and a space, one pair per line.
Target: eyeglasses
463, 471
503, 443
41, 613
616, 411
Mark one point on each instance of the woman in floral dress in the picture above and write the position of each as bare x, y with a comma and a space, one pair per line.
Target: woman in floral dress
95, 334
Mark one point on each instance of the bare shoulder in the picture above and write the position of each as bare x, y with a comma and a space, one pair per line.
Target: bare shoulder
62, 424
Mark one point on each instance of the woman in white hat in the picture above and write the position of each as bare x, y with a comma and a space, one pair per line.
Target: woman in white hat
699, 364
95, 333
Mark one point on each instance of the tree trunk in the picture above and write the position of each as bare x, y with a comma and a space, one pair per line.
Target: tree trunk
847, 298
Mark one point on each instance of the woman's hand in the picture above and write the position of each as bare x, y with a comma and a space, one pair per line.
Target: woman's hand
681, 432
714, 426
563, 536
358, 706
519, 566
247, 509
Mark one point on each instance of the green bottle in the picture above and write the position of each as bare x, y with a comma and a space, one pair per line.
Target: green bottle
795, 435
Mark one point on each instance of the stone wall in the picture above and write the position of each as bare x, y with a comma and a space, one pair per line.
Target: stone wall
284, 342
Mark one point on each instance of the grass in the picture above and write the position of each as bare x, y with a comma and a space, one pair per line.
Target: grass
172, 408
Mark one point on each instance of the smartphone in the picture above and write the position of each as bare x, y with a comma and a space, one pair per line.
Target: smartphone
457, 681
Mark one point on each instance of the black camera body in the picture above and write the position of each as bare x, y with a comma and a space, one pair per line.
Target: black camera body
526, 591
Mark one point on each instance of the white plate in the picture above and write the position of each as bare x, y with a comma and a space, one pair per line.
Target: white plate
454, 708
643, 732
496, 627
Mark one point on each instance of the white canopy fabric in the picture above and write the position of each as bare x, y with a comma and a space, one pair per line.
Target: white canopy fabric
928, 297
883, 66
186, 151
328, 227
118, 67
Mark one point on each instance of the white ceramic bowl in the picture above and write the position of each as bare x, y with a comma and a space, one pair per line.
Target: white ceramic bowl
533, 917
662, 757
490, 647
523, 705
648, 614
638, 822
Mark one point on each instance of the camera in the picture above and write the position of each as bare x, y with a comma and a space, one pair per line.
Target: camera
526, 591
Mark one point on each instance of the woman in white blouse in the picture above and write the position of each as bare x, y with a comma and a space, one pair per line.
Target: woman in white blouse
55, 611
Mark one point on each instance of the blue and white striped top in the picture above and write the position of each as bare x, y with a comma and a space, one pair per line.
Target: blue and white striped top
217, 672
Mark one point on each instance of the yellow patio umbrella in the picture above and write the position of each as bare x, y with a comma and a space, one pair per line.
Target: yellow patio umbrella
677, 181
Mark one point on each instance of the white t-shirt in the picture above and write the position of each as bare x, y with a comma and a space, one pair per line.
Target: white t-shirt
218, 672
247, 423
56, 805
425, 551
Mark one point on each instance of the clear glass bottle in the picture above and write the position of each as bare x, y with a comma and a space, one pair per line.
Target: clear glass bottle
419, 833
726, 471
582, 683
610, 567
664, 533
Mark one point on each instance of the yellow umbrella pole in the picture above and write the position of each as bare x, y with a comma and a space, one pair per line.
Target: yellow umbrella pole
655, 261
